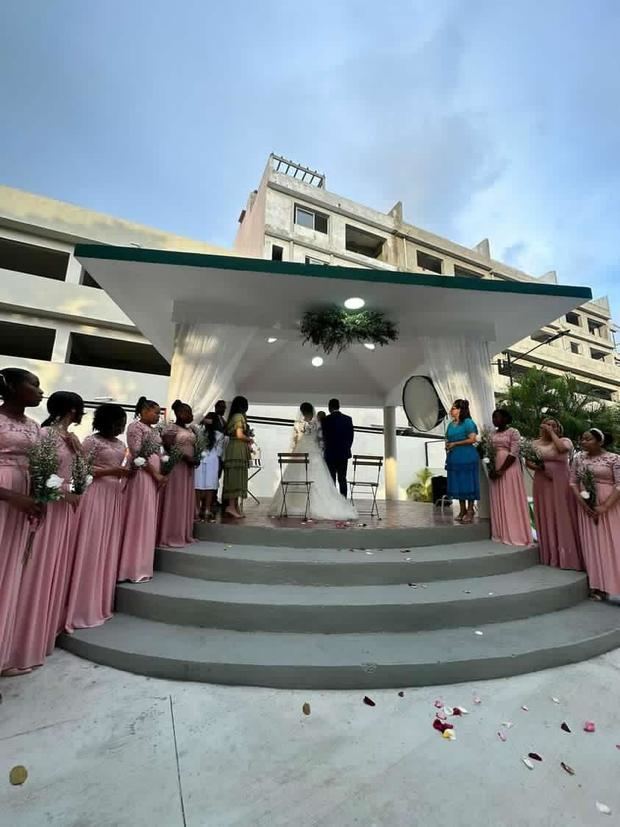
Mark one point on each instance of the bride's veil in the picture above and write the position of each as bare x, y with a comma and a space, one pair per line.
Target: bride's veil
300, 426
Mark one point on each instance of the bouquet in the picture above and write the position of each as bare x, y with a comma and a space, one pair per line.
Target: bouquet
168, 461
147, 449
200, 446
529, 453
587, 487
81, 474
487, 451
45, 484
255, 452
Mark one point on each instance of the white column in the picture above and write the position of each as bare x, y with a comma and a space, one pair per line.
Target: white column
389, 452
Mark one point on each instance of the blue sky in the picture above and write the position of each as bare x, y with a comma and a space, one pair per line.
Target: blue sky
484, 118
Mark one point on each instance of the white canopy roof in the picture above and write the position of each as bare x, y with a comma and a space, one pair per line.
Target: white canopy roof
158, 289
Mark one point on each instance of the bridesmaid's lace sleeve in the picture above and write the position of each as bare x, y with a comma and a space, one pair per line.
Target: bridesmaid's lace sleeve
615, 470
513, 445
134, 439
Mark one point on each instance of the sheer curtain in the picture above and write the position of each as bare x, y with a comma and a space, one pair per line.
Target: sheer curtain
460, 368
204, 363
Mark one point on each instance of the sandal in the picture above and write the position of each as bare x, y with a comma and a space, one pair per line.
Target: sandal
468, 518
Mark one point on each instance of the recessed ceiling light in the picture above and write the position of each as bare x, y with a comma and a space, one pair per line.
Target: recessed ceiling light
271, 340
369, 346
317, 361
354, 304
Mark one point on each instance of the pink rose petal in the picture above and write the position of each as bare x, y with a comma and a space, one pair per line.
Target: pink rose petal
525, 708
502, 736
589, 726
438, 704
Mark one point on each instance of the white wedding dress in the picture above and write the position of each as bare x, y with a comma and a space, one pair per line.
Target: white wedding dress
326, 502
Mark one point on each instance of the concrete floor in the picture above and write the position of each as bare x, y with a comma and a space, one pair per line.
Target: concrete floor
106, 748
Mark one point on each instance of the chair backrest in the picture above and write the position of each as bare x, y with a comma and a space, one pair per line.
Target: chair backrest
284, 460
367, 461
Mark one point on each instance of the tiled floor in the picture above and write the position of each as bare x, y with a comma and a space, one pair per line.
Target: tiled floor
394, 514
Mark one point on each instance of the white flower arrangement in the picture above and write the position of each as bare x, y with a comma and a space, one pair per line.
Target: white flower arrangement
139, 462
585, 495
54, 482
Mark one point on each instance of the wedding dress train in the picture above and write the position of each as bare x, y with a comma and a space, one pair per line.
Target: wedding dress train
326, 502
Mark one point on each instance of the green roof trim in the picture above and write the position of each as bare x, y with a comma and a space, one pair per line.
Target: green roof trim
290, 268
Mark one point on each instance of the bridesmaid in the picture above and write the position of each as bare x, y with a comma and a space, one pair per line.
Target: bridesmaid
462, 461
555, 516
236, 457
599, 528
19, 390
43, 590
140, 528
510, 518
100, 523
176, 516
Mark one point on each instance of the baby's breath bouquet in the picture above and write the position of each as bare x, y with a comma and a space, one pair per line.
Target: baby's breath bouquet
45, 484
171, 458
81, 473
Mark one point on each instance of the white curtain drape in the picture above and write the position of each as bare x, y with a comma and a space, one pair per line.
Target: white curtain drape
460, 368
204, 363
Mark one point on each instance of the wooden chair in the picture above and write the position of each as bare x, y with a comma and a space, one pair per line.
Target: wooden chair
284, 461
375, 463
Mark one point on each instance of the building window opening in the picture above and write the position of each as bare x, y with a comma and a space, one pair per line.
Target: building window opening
573, 318
599, 355
26, 341
574, 348
363, 243
277, 252
310, 219
467, 274
88, 281
430, 263
32, 259
116, 354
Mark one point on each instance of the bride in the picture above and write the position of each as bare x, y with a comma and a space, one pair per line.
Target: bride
326, 502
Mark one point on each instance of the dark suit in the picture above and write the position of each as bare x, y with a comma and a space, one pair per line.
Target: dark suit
338, 439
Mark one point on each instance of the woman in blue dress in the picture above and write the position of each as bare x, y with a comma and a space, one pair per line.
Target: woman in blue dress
463, 463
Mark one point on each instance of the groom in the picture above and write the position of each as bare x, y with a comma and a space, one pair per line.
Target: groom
337, 439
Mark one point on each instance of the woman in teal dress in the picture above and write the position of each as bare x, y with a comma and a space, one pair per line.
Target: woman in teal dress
463, 463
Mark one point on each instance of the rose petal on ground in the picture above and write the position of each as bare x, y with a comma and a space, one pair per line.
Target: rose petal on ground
18, 775
460, 710
528, 763
477, 700
449, 735
448, 710
438, 704
478, 632
555, 700
441, 726
306, 709
502, 736
525, 708
507, 724
565, 727
603, 808
589, 726
566, 768
401, 694
534, 755
369, 701
405, 551
442, 716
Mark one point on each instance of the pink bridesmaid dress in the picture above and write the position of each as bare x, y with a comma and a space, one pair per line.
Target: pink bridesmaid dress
16, 437
554, 509
97, 539
178, 501
600, 540
140, 527
43, 589
510, 519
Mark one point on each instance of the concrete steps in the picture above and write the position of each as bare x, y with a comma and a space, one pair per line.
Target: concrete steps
346, 661
323, 535
170, 598
345, 566
297, 615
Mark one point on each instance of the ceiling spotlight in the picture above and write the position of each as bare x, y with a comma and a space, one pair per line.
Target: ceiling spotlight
354, 304
317, 361
369, 346
271, 340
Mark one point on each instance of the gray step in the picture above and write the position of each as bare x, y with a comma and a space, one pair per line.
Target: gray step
361, 661
344, 567
396, 608
324, 535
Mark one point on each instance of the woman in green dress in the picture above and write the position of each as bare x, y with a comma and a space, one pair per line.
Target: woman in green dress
236, 457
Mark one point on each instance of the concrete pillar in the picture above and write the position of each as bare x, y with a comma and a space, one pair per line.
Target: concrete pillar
389, 452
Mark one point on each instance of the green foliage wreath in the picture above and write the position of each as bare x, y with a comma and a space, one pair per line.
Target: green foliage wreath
334, 328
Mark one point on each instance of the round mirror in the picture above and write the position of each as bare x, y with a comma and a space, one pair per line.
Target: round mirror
422, 405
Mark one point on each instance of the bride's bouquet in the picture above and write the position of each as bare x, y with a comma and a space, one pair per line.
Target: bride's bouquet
255, 452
